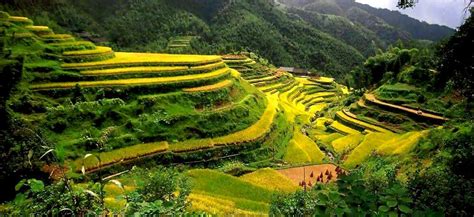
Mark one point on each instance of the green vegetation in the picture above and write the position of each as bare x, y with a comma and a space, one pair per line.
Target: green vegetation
89, 130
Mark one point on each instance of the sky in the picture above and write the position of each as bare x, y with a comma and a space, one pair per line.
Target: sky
444, 12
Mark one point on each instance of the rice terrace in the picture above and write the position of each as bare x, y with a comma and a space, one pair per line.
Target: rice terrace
234, 108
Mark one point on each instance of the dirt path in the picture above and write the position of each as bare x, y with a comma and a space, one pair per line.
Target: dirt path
297, 174
372, 98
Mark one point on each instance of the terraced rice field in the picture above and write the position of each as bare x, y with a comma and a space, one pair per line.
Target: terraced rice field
371, 142
303, 150
270, 179
347, 143
254, 132
212, 87
97, 50
134, 82
371, 98
123, 59
353, 121
222, 194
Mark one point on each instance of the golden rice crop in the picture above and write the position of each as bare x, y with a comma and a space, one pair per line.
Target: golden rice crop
151, 69
347, 143
208, 66
402, 144
341, 128
257, 130
359, 123
38, 28
191, 145
97, 50
370, 143
266, 178
118, 155
324, 80
212, 87
295, 155
122, 58
132, 81
217, 206
16, 19
57, 36
240, 61
134, 70
309, 146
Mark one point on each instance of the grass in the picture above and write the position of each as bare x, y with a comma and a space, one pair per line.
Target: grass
229, 191
133, 81
143, 59
97, 50
347, 143
270, 179
370, 143
212, 87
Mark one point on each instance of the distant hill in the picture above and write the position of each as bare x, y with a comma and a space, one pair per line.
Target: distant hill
380, 21
331, 36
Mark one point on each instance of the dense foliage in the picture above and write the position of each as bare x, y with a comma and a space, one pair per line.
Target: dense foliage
159, 191
309, 39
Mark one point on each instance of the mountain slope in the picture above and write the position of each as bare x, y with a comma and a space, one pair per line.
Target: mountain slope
389, 25
326, 35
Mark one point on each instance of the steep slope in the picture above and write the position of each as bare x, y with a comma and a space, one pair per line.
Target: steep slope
99, 108
388, 25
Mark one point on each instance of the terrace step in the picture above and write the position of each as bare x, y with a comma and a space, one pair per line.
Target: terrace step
123, 59
133, 82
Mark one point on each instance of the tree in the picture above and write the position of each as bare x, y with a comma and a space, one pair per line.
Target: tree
410, 3
456, 61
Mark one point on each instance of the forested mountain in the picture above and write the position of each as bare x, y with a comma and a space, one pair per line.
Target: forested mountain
329, 36
389, 25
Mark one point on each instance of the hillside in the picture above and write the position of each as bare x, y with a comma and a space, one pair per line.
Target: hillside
92, 127
324, 42
388, 25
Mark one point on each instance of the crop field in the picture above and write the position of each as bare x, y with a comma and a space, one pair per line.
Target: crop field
341, 128
267, 177
145, 59
167, 134
347, 143
93, 161
221, 190
353, 121
370, 143
97, 50
254, 132
212, 87
303, 150
132, 82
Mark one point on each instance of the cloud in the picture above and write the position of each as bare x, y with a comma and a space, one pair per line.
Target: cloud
444, 12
